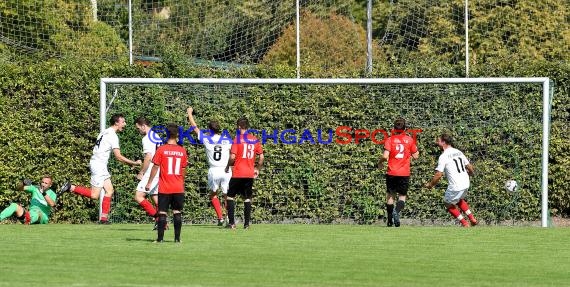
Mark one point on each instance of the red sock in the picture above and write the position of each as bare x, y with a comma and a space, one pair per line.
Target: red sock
28, 217
217, 207
457, 214
82, 190
465, 207
106, 208
147, 206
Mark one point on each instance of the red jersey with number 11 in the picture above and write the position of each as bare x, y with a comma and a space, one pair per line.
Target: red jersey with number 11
172, 159
401, 147
245, 151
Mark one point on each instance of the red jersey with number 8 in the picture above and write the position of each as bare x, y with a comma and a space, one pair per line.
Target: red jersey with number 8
401, 147
245, 150
172, 160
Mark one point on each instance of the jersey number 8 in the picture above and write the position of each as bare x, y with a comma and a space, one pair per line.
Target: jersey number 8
217, 152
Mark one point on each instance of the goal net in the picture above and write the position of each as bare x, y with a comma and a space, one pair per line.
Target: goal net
322, 139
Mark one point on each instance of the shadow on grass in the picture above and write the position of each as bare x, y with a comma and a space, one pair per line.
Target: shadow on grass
125, 229
140, 239
215, 226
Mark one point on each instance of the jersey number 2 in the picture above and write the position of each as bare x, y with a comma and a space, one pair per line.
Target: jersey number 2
400, 149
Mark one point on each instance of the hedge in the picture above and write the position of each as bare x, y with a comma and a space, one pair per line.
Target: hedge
51, 119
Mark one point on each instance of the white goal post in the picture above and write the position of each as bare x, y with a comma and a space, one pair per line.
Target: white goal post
544, 81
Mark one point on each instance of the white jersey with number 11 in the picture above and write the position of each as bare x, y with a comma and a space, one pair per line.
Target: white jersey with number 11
452, 162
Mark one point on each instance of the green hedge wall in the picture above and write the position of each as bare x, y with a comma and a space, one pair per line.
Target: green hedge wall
50, 121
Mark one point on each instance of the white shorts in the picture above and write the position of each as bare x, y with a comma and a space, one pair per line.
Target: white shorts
153, 186
219, 178
453, 197
99, 174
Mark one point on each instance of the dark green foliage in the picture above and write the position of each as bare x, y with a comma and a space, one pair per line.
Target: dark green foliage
51, 120
50, 109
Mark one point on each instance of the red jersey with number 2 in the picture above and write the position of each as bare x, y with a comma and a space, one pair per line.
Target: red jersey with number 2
172, 160
245, 151
401, 147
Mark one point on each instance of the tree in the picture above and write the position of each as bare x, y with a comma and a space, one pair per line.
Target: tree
330, 46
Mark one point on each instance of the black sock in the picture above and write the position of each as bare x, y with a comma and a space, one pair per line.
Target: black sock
389, 210
22, 218
231, 209
400, 205
246, 212
161, 226
177, 226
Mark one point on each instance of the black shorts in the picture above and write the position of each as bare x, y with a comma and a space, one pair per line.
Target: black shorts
241, 186
174, 201
397, 184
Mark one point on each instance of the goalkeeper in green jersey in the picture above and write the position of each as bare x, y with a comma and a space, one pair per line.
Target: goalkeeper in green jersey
43, 199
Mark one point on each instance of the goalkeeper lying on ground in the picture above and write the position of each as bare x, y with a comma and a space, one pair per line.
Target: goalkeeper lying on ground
43, 199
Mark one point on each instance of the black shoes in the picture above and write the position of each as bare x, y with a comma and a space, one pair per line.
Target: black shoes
65, 187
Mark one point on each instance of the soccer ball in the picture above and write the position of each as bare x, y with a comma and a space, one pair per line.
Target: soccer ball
511, 185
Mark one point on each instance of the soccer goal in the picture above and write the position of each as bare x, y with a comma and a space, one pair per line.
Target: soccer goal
323, 137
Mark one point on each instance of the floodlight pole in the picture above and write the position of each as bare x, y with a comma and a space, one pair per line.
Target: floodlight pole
298, 38
130, 33
466, 19
369, 38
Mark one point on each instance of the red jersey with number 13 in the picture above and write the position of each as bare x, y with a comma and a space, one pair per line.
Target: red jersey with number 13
172, 159
401, 147
245, 151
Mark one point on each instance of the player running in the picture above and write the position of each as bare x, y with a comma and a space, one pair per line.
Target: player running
457, 170
107, 141
218, 154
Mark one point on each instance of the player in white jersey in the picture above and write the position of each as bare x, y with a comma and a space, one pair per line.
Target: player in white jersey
149, 148
457, 169
107, 141
218, 153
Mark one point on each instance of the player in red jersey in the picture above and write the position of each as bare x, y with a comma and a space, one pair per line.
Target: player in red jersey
398, 149
242, 158
172, 159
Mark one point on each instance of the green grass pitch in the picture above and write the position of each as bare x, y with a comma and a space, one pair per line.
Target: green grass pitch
284, 255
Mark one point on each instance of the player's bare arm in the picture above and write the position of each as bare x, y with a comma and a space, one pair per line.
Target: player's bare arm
385, 156
121, 158
470, 170
193, 124
22, 184
48, 199
259, 165
145, 165
416, 155
231, 161
436, 177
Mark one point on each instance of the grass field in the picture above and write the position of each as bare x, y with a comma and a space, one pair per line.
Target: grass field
284, 255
